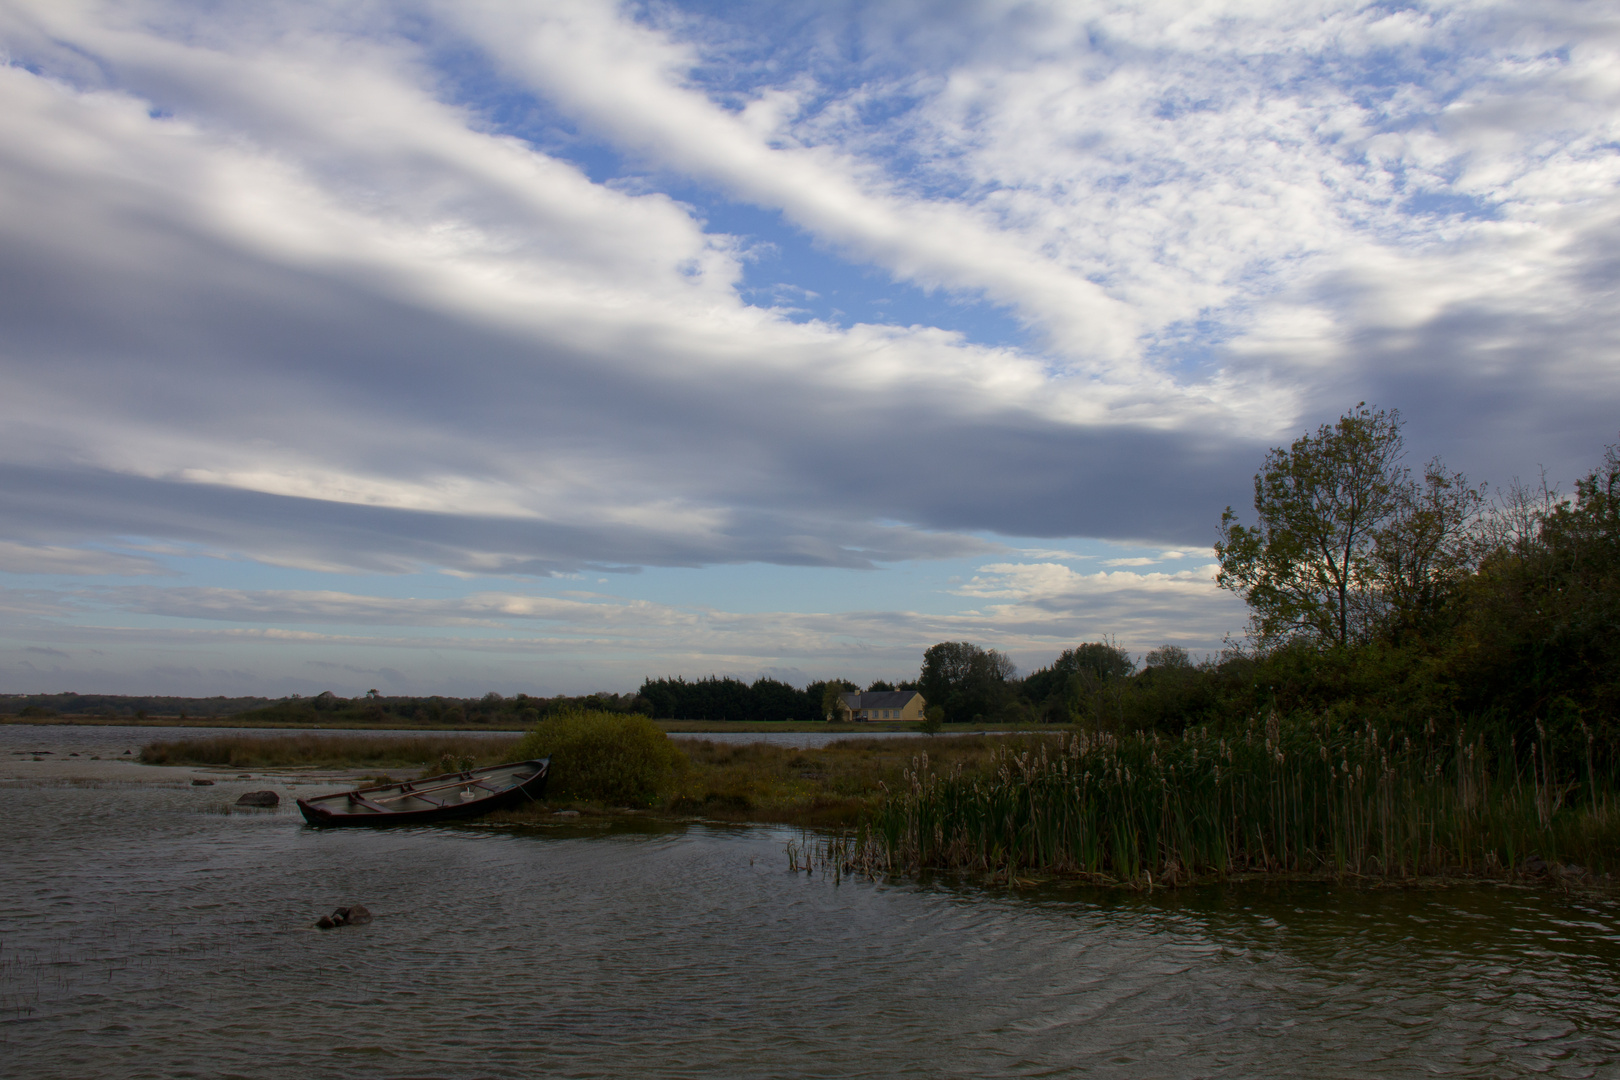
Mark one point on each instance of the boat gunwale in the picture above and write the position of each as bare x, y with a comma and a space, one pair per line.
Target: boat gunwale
319, 815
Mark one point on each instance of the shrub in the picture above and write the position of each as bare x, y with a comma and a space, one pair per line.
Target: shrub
623, 760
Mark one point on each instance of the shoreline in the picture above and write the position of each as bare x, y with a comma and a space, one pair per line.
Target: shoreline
226, 780
671, 727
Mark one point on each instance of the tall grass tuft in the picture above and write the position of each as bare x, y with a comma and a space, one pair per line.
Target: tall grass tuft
615, 758
1146, 809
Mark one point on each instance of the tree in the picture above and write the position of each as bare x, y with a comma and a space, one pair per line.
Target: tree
1169, 658
1542, 642
1431, 545
1093, 662
965, 680
1307, 566
832, 702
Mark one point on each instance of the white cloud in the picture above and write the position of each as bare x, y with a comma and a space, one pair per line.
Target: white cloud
285, 287
30, 559
1053, 581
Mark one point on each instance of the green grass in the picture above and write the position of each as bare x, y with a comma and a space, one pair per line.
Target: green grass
1147, 809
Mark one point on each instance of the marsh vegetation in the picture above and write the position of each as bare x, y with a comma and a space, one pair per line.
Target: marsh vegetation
305, 750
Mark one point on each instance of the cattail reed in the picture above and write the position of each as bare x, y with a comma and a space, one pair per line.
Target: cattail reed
1289, 799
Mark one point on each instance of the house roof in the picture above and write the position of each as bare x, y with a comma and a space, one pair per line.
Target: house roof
879, 699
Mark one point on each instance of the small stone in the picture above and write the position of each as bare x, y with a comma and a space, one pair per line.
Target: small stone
566, 813
356, 915
259, 798
74, 754
244, 776
128, 752
202, 783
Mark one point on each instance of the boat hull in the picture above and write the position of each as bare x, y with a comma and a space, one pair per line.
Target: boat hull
431, 799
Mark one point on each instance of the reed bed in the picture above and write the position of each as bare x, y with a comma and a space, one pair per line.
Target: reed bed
1145, 809
329, 751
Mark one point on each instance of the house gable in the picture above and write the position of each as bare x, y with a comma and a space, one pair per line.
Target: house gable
885, 705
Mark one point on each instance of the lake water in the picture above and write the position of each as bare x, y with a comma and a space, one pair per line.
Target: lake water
113, 740
147, 932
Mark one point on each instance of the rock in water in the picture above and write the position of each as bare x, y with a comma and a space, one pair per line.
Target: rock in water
202, 783
357, 915
259, 798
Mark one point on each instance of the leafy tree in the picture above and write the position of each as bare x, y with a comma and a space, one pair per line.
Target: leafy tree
965, 680
1428, 549
832, 702
1054, 690
1307, 567
1169, 658
1542, 639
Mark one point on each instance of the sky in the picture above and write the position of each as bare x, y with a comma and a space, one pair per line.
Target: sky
448, 347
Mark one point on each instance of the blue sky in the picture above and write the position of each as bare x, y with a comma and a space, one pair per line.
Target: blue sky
454, 347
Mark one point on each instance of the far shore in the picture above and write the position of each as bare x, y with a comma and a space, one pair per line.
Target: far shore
673, 727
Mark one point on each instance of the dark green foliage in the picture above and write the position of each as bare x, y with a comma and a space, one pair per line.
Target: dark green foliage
621, 760
1539, 640
725, 698
971, 684
1084, 683
728, 699
374, 710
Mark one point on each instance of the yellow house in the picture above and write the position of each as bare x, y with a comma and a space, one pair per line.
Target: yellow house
884, 705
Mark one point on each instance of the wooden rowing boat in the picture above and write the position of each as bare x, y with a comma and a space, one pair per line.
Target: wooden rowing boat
447, 797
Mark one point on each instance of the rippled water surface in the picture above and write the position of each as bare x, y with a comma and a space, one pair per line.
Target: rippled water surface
146, 932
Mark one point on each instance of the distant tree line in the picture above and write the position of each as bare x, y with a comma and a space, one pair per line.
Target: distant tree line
491, 710
1379, 596
725, 698
42, 706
